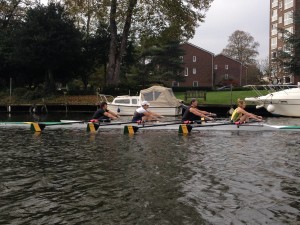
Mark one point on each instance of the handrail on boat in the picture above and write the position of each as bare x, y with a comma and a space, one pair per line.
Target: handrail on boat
270, 88
104, 98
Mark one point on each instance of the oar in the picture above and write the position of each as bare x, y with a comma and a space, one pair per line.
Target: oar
92, 127
134, 129
187, 128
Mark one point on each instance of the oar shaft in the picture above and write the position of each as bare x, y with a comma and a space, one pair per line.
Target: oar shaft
159, 125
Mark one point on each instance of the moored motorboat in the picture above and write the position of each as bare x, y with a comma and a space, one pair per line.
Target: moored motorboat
282, 102
162, 101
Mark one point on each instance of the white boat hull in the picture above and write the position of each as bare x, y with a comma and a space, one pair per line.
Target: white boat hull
283, 103
125, 110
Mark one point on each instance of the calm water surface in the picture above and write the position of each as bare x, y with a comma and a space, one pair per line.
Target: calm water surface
65, 176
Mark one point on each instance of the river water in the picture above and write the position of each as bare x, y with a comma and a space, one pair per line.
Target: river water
69, 176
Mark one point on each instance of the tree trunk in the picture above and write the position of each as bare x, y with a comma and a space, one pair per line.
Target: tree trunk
115, 56
49, 82
88, 19
113, 43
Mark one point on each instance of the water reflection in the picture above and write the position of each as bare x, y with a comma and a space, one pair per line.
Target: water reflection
68, 176
243, 180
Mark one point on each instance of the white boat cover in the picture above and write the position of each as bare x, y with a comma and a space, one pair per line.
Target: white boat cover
159, 96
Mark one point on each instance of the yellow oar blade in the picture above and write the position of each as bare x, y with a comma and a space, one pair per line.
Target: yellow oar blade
37, 127
92, 127
184, 129
130, 129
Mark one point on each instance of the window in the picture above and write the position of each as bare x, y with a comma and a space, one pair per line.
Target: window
290, 30
186, 71
151, 96
122, 101
280, 19
226, 67
134, 101
194, 58
274, 54
194, 70
274, 3
274, 29
175, 84
288, 4
280, 5
288, 18
216, 67
226, 76
274, 15
195, 83
274, 43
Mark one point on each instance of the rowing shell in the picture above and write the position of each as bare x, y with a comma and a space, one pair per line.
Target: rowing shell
133, 127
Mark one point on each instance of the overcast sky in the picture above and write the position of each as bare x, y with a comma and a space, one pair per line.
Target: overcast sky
226, 16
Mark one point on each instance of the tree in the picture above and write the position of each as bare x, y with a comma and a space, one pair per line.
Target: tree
13, 10
289, 57
150, 18
161, 62
242, 47
253, 74
265, 69
12, 13
132, 20
49, 44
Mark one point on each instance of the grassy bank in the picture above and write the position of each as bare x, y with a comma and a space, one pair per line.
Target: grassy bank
212, 97
222, 97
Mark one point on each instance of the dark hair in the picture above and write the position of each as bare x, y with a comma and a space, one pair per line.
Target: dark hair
102, 104
193, 100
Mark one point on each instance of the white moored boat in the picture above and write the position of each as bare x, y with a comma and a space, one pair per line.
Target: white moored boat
162, 101
282, 102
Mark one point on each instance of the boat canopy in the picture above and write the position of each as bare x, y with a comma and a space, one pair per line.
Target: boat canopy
159, 96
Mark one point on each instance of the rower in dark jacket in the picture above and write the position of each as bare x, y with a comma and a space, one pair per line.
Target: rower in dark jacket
192, 113
103, 114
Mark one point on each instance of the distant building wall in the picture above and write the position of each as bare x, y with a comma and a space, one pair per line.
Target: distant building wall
198, 67
205, 70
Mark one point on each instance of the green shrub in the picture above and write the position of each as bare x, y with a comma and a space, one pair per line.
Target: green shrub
19, 92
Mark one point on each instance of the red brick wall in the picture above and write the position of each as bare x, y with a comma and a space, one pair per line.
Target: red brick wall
203, 66
229, 71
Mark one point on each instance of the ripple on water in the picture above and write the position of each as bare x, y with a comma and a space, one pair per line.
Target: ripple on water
72, 177
238, 178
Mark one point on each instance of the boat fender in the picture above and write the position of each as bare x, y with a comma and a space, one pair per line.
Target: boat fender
271, 108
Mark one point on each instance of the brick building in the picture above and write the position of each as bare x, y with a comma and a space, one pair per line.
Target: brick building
281, 17
229, 71
198, 67
205, 70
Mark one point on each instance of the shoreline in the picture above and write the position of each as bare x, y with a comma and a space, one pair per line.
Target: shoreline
49, 108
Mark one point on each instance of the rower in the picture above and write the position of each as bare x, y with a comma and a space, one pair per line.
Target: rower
240, 115
192, 113
143, 113
103, 114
